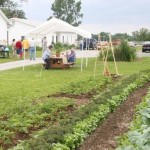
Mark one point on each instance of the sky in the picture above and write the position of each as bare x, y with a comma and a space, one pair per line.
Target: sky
114, 16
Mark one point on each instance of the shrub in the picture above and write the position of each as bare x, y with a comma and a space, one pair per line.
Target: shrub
127, 53
123, 52
38, 48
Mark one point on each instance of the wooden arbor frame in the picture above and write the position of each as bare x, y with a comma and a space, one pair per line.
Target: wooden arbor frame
104, 53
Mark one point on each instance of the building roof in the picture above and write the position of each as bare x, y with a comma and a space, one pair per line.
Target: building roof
57, 25
4, 17
26, 21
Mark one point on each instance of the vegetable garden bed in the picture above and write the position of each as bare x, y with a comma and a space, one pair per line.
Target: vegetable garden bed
63, 120
70, 130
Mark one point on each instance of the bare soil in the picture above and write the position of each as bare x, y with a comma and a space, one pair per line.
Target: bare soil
117, 123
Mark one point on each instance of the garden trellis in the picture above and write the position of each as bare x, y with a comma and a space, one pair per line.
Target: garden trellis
104, 54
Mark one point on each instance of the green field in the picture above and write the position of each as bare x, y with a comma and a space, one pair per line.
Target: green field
25, 85
25, 97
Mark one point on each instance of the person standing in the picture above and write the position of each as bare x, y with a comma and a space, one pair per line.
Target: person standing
81, 44
13, 46
44, 44
46, 57
18, 48
25, 45
32, 48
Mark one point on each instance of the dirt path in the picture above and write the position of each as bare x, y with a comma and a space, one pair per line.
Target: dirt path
116, 124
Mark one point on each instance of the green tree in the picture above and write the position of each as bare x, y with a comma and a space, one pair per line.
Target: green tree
122, 36
67, 10
10, 9
2, 2
104, 36
142, 35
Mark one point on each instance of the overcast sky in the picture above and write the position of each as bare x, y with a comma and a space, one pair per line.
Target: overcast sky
100, 15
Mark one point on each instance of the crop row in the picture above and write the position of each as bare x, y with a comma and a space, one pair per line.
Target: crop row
83, 128
32, 119
138, 138
77, 126
86, 85
41, 114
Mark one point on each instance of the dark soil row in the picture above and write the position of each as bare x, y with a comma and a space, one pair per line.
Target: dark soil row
117, 123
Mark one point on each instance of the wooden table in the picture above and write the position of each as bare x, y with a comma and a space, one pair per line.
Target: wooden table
57, 62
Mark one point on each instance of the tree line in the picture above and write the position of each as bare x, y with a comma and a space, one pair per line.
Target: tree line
142, 34
70, 11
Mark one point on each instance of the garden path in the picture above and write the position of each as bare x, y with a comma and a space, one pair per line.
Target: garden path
117, 123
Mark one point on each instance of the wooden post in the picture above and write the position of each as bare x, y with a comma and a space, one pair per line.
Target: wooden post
113, 54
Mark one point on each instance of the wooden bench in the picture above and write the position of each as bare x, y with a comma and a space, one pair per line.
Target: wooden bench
4, 54
59, 65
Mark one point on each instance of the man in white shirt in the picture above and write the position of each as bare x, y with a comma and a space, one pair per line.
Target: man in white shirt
44, 44
32, 47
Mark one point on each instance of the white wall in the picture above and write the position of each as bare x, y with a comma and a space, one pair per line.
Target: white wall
3, 30
18, 29
69, 38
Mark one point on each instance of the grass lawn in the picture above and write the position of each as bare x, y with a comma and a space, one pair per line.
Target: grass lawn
39, 54
11, 58
26, 99
19, 88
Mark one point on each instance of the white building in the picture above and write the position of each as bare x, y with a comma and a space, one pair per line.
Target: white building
16, 28
62, 37
57, 30
20, 27
4, 28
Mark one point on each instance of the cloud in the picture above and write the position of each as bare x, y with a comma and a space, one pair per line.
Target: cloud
100, 15
112, 28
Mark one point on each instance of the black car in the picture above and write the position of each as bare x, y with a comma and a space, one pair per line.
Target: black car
146, 46
90, 43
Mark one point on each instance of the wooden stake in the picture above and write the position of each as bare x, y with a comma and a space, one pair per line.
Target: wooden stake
113, 54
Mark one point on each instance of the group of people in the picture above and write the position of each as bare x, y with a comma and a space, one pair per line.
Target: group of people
71, 57
20, 46
29, 48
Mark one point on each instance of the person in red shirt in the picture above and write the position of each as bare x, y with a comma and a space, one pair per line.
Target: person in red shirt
19, 48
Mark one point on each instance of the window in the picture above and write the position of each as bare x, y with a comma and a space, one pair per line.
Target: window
53, 39
56, 38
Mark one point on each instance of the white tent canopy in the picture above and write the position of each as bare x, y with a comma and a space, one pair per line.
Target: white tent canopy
57, 25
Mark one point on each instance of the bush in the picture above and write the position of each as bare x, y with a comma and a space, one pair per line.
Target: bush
127, 53
62, 46
38, 48
123, 52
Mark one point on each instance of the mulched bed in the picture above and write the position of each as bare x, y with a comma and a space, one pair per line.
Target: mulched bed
117, 123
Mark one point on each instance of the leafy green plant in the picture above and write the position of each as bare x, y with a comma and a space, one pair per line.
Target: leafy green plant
82, 128
58, 47
87, 85
138, 136
123, 52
